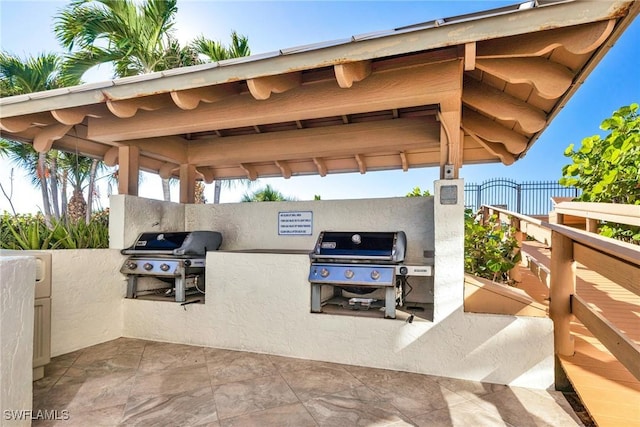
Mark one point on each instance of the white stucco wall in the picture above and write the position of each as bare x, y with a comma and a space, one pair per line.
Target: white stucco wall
261, 302
87, 291
17, 289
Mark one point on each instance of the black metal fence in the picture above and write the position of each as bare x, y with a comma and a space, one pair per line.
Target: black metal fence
527, 198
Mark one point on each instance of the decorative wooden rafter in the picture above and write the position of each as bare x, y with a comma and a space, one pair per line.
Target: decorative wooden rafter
190, 98
550, 80
111, 156
347, 74
491, 131
250, 171
470, 56
406, 87
44, 139
129, 107
167, 170
75, 115
261, 88
22, 123
403, 161
578, 40
497, 150
284, 168
502, 106
208, 174
321, 166
362, 165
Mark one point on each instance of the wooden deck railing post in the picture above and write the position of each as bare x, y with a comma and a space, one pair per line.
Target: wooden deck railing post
485, 215
515, 273
563, 285
591, 225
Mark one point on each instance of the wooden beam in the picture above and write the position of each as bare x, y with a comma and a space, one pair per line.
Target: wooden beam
579, 39
470, 56
169, 148
128, 170
403, 160
190, 98
321, 166
187, 184
344, 140
348, 73
362, 165
502, 106
492, 131
407, 87
127, 108
21, 123
495, 149
284, 168
44, 139
450, 118
261, 88
549, 79
250, 171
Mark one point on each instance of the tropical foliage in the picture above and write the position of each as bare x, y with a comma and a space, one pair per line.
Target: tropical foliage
417, 192
27, 232
608, 169
490, 250
266, 194
137, 38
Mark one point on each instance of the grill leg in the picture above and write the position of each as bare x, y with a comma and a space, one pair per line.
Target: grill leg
132, 286
180, 284
390, 302
316, 304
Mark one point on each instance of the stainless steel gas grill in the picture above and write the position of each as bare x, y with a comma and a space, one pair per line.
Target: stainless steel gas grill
359, 263
177, 258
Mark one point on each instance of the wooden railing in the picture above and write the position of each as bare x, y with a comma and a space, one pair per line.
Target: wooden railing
615, 260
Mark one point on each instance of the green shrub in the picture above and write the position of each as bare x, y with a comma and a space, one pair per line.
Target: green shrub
26, 231
490, 250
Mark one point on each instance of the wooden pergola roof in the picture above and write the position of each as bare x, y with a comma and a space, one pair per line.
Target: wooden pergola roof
470, 89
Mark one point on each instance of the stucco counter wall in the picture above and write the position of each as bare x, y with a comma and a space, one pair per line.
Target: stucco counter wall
17, 290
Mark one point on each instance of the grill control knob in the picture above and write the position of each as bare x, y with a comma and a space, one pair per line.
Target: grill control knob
324, 272
348, 274
375, 274
132, 265
164, 267
147, 266
187, 262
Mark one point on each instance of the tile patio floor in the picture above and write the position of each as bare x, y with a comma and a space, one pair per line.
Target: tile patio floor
132, 382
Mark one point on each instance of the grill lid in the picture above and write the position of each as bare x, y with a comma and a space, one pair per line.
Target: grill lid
180, 243
361, 246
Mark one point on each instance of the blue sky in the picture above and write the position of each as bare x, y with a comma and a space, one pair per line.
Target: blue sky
26, 29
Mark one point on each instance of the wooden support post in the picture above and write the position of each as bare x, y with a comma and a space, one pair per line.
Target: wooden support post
515, 273
128, 169
485, 215
592, 225
187, 183
563, 285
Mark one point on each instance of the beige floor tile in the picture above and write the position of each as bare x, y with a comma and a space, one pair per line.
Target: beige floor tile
289, 364
464, 414
293, 415
172, 380
320, 381
190, 408
228, 366
244, 397
159, 356
355, 407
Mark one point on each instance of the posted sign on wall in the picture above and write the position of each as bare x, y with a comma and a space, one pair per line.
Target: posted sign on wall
297, 223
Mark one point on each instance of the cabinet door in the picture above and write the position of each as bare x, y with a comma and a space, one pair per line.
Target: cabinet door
42, 332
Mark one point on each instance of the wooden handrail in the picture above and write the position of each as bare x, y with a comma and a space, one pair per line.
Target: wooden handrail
616, 260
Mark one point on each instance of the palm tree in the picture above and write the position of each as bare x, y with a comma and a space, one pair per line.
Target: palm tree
137, 38
266, 194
